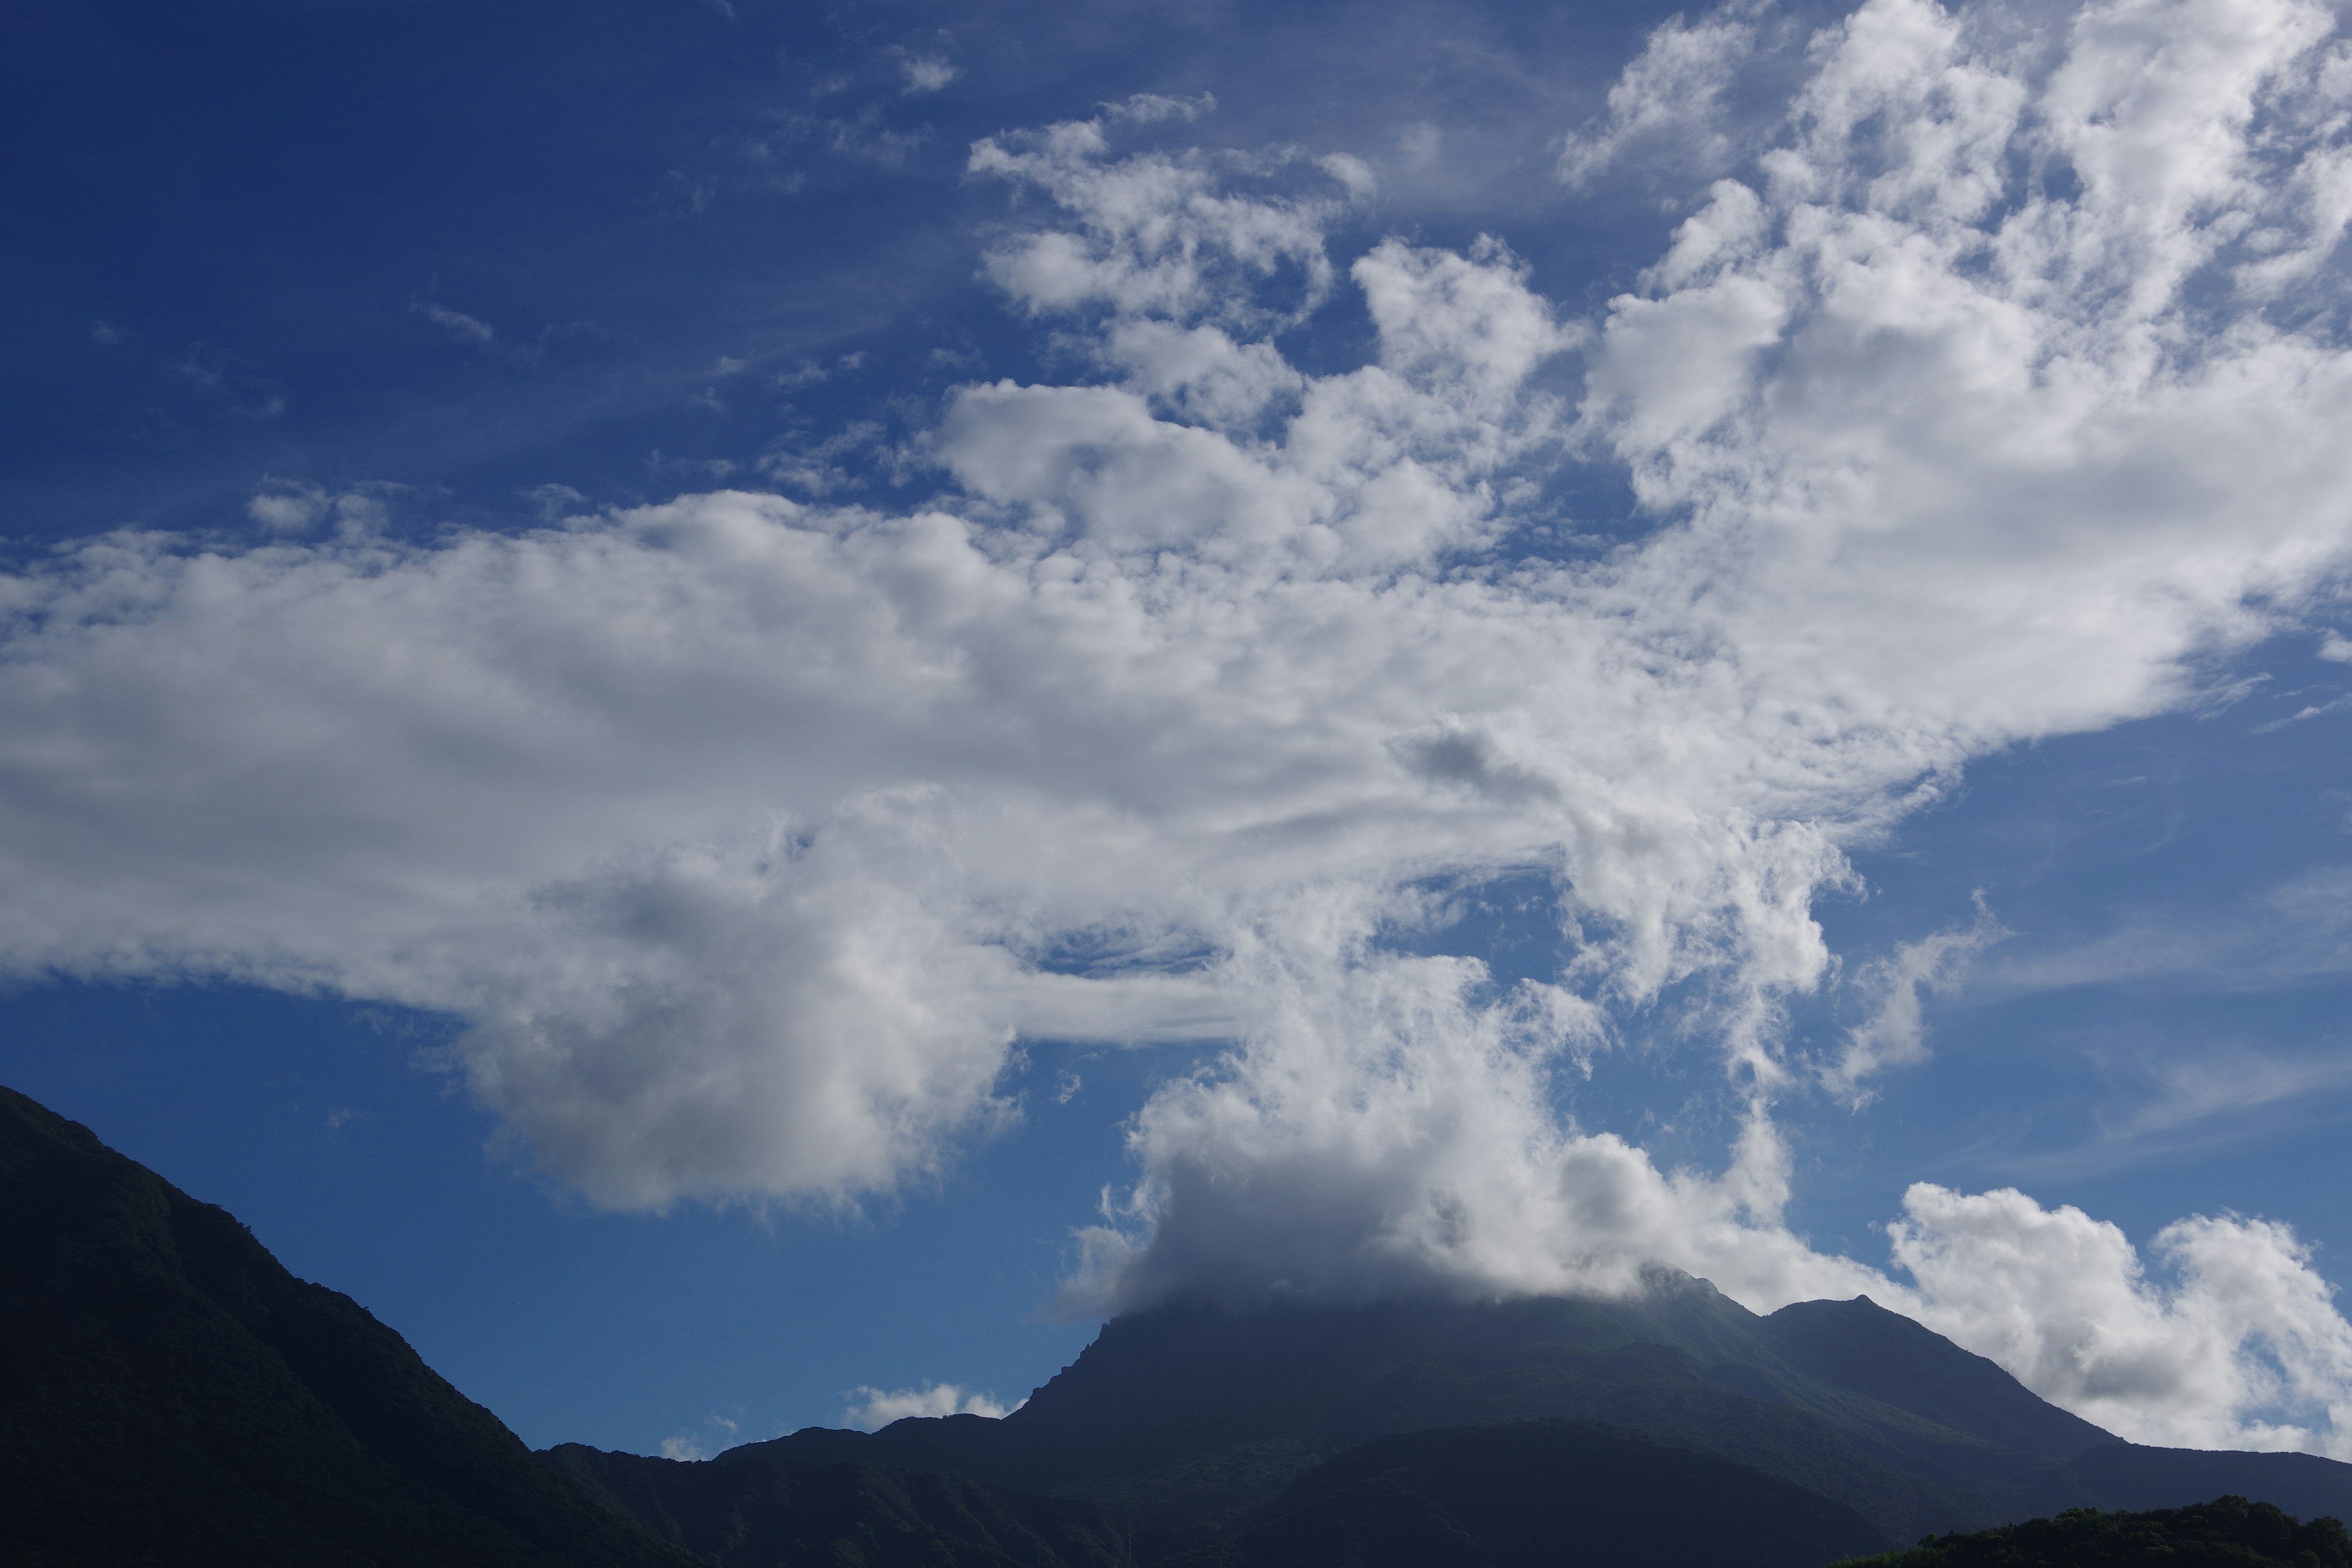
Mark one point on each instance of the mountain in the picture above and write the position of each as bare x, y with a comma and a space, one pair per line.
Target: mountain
1180, 1421
729, 1512
1186, 1422
169, 1394
2227, 1532
1861, 1347
1531, 1494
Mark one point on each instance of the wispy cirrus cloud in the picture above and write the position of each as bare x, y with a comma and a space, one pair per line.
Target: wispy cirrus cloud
2166, 1107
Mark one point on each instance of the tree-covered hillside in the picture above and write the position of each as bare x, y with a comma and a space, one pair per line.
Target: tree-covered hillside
2227, 1532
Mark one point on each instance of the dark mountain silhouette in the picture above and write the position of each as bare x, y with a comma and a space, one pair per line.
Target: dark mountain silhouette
170, 1396
1183, 1421
1861, 1347
1180, 1421
1534, 1495
2227, 1532
730, 1511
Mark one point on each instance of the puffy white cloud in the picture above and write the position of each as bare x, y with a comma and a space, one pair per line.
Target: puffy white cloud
1979, 401
1672, 94
2241, 1347
874, 1408
294, 506
1386, 1130
1161, 234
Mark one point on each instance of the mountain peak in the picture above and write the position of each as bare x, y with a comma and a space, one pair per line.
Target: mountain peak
1860, 1345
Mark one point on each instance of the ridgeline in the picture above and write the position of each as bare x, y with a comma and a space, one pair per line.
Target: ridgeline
170, 1396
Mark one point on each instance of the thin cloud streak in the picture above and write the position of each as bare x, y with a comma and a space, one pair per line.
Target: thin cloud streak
2182, 1111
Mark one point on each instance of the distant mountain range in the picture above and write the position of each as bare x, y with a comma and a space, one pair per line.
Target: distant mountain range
169, 1394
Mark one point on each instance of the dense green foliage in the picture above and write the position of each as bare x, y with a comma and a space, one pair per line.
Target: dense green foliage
1532, 1495
737, 1514
2227, 1532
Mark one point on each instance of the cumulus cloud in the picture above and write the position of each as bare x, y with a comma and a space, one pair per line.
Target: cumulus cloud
2239, 1344
1161, 236
873, 1408
1670, 97
297, 506
747, 837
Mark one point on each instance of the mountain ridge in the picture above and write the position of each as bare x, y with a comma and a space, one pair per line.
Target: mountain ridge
1183, 1420
1190, 1409
170, 1395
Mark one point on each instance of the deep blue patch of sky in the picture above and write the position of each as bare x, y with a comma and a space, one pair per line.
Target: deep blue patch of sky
475, 252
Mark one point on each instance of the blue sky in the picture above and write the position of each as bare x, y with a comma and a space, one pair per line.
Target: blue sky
738, 708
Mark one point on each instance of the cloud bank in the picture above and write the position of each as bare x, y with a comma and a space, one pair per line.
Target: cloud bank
1986, 396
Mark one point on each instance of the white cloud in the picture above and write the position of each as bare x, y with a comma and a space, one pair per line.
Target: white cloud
553, 502
1895, 1033
472, 329
926, 73
717, 1433
296, 506
817, 468
2241, 1347
2227, 1084
873, 1408
1158, 235
2167, 1109
1151, 108
1671, 96
737, 831
2291, 934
